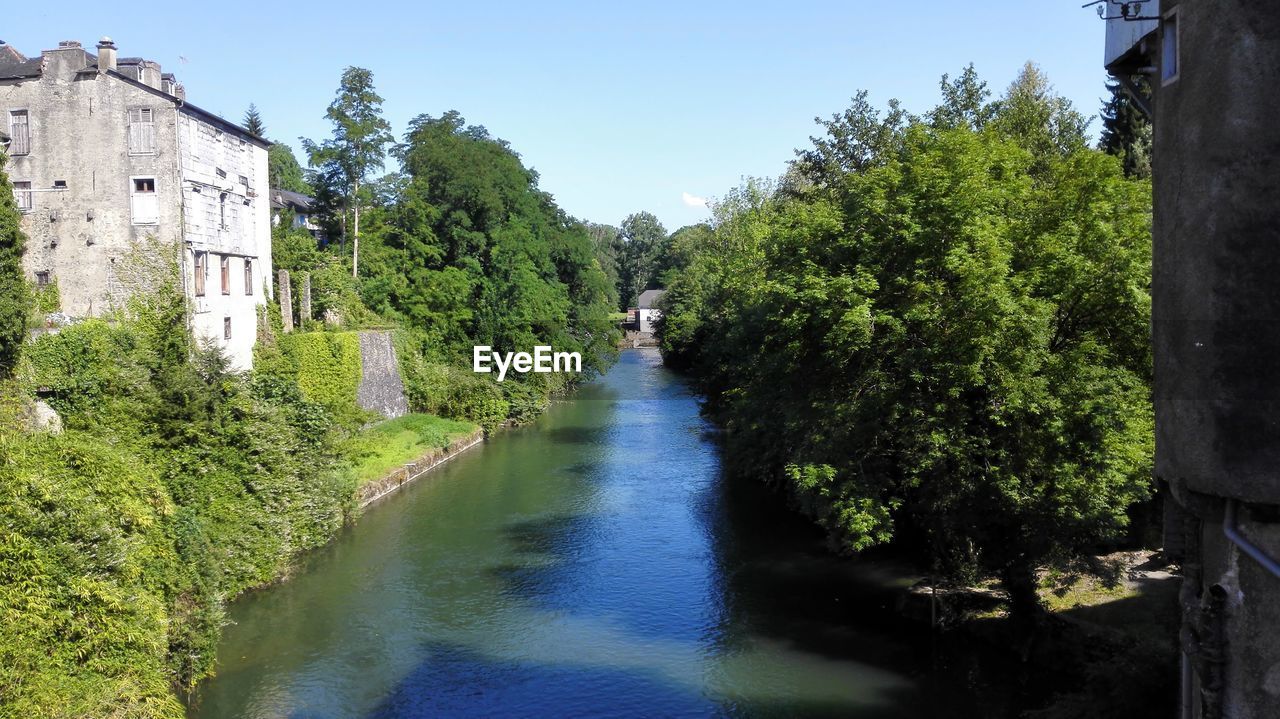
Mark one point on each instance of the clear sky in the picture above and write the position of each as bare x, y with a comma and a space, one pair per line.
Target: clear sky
619, 106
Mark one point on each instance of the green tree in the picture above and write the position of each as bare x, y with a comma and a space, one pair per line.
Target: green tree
357, 148
15, 299
604, 238
1126, 130
1033, 115
283, 170
855, 140
964, 102
948, 345
253, 121
641, 240
472, 252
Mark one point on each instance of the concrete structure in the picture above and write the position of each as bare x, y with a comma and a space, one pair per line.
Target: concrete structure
647, 312
381, 390
1214, 68
106, 153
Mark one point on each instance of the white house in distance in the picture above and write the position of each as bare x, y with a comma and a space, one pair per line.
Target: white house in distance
648, 312
105, 151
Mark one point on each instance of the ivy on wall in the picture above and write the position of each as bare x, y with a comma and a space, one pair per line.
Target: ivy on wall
328, 366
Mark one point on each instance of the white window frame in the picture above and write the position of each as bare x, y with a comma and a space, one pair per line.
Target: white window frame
1170, 30
14, 150
141, 133
133, 193
28, 192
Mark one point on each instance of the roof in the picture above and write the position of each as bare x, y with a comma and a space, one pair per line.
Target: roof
649, 298
14, 64
286, 200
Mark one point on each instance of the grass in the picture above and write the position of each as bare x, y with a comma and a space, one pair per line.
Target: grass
397, 442
617, 316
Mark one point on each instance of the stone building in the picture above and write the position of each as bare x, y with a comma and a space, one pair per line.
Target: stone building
1213, 69
105, 152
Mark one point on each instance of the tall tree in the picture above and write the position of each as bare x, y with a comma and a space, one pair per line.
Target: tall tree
14, 297
357, 148
253, 121
1126, 130
1036, 117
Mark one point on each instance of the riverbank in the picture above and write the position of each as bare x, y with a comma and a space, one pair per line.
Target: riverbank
371, 491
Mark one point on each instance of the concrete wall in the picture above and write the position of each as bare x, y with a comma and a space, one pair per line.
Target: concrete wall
79, 134
1216, 331
381, 390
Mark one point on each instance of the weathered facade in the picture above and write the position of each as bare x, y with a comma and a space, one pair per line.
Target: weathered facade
106, 154
1214, 68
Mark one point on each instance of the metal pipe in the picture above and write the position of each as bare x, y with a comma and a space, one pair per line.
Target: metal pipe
1230, 529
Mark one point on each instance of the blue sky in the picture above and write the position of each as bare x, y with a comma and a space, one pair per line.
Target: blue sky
620, 107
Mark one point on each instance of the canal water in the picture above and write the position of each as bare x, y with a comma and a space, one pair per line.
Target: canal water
596, 563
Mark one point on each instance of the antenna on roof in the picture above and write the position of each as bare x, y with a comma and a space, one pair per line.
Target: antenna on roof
1130, 10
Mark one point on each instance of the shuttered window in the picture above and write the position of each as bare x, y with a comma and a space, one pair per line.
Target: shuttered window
143, 201
142, 131
226, 275
202, 260
19, 132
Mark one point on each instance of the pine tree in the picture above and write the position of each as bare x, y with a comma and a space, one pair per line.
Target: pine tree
14, 297
253, 121
1126, 130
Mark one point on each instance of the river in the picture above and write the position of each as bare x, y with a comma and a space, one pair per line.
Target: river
594, 563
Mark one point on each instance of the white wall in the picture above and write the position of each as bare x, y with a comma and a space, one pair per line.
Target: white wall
1123, 35
647, 318
225, 218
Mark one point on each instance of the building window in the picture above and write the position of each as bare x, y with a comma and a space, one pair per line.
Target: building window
22, 193
226, 328
59, 184
42, 279
19, 132
222, 211
1169, 48
226, 275
142, 131
143, 202
248, 276
202, 262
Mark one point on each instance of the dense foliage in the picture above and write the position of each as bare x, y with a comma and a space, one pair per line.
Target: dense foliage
472, 252
177, 484
935, 330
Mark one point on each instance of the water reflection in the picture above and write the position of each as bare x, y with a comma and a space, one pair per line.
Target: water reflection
594, 564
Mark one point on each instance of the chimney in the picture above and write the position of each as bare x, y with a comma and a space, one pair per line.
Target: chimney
106, 54
64, 62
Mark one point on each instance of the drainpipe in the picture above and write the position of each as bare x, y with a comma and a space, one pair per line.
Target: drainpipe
1233, 533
